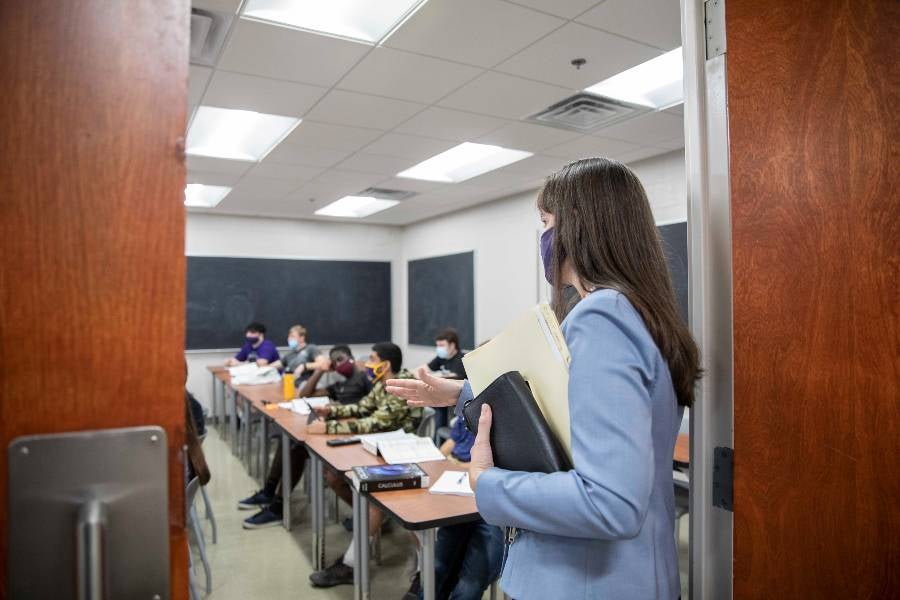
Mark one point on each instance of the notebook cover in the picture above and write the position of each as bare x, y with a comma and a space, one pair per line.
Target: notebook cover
520, 436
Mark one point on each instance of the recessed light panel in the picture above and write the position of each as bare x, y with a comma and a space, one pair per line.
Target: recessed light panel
355, 207
657, 83
236, 134
369, 21
463, 162
204, 196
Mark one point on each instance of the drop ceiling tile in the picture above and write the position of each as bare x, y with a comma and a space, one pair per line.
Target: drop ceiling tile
275, 170
526, 136
410, 185
363, 110
639, 154
376, 163
261, 94
317, 194
351, 179
281, 53
197, 79
673, 144
678, 109
654, 22
449, 124
397, 74
496, 180
414, 147
208, 178
646, 129
217, 165
264, 187
567, 9
310, 156
475, 32
590, 146
500, 95
550, 59
335, 137
537, 165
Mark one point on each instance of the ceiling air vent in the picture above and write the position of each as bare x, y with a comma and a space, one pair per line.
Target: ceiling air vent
386, 194
208, 31
586, 113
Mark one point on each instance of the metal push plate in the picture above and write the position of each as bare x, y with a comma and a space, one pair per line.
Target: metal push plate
55, 480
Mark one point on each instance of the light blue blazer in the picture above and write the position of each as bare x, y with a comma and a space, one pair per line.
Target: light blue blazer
605, 529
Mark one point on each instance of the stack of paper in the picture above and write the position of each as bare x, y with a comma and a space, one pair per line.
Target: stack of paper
452, 483
301, 405
251, 374
409, 449
534, 346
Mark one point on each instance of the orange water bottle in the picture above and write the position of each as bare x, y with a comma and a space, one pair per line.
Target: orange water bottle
288, 381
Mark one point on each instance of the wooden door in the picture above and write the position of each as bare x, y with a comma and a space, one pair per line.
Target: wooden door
92, 226
813, 124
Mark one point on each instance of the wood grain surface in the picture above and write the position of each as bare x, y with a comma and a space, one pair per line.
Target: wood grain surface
813, 113
92, 261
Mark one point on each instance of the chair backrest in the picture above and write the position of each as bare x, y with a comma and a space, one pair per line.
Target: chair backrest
427, 425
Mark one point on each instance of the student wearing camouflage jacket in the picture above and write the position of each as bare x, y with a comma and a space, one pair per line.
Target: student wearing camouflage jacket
378, 411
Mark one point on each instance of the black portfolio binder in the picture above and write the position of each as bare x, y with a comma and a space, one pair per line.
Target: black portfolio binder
520, 436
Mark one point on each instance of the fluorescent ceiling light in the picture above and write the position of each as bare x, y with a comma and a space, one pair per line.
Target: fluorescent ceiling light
656, 83
205, 196
356, 207
463, 162
236, 134
369, 21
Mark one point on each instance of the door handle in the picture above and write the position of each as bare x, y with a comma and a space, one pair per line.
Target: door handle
91, 550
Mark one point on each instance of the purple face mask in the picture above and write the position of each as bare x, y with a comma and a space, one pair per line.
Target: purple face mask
547, 253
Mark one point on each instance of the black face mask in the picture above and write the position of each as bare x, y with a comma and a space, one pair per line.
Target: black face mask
254, 340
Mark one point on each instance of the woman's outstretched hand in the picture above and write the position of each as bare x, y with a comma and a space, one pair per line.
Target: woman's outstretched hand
482, 453
427, 390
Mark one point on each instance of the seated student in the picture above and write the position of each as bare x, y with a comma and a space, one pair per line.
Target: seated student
332, 378
349, 388
378, 411
448, 357
256, 347
301, 356
467, 557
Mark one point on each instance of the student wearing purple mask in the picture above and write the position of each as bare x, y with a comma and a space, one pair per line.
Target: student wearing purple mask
256, 347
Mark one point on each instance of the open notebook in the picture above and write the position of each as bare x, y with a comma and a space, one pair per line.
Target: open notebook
452, 483
534, 346
301, 405
397, 447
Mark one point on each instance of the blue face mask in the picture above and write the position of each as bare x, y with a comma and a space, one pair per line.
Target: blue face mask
547, 253
442, 352
293, 343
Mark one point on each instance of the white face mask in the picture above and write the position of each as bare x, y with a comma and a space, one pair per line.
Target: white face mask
442, 352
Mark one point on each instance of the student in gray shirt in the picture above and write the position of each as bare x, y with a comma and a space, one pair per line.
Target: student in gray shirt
300, 358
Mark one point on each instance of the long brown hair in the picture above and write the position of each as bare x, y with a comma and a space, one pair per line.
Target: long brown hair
604, 227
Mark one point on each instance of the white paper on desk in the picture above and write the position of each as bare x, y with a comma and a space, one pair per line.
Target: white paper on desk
301, 405
449, 484
409, 449
255, 376
370, 440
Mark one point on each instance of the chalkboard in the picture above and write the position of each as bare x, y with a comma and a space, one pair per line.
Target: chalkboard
442, 294
345, 302
674, 237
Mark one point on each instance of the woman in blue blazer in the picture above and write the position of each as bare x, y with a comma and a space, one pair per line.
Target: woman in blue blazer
604, 529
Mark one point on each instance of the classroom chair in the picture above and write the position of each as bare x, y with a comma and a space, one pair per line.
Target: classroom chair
207, 505
427, 425
190, 512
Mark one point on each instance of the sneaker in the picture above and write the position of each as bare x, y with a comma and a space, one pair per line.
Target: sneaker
260, 498
415, 586
336, 574
262, 519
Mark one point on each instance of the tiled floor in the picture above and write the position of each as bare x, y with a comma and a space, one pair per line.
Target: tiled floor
274, 564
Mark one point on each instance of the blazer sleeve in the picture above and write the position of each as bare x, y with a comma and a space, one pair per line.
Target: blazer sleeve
607, 495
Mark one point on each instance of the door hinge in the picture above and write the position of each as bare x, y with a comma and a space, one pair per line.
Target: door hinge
723, 478
714, 27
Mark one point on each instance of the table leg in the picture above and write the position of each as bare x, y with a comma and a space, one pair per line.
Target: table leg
317, 493
245, 427
232, 421
357, 543
286, 479
215, 406
362, 563
220, 387
428, 564
263, 449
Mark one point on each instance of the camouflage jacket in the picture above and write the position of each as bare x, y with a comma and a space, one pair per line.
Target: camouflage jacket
377, 411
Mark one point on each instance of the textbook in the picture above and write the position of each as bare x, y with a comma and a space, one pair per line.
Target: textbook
383, 478
534, 346
370, 440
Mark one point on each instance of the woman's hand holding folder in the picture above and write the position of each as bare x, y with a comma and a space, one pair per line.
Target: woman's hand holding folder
482, 453
427, 390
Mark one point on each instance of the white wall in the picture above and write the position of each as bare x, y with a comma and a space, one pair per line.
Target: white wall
215, 235
503, 234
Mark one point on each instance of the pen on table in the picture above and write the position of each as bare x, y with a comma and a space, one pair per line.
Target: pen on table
461, 477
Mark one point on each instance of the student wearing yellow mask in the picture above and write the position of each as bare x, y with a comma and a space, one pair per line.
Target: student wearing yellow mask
378, 410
